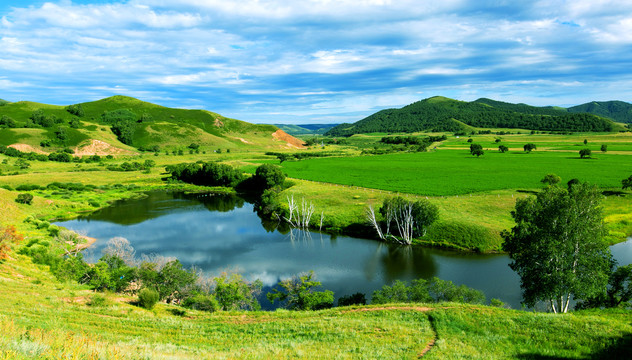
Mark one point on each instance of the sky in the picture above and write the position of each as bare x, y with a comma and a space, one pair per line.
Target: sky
315, 61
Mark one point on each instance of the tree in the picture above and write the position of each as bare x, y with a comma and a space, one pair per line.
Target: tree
234, 293
503, 148
478, 152
556, 246
298, 293
268, 176
604, 148
551, 179
618, 293
584, 153
475, 147
529, 147
585, 141
24, 198
627, 183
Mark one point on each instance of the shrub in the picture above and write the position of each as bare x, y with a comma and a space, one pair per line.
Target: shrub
24, 198
354, 299
147, 298
97, 300
8, 236
203, 302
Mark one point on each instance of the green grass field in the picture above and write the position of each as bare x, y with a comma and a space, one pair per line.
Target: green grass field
456, 172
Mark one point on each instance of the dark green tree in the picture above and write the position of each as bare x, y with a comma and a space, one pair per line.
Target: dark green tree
551, 179
503, 148
585, 153
475, 147
233, 292
627, 183
556, 246
268, 176
604, 148
478, 152
529, 147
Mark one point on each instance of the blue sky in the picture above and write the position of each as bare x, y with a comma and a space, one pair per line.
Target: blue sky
315, 61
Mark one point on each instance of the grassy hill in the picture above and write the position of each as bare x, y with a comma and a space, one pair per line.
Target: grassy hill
616, 110
443, 114
41, 318
129, 124
305, 129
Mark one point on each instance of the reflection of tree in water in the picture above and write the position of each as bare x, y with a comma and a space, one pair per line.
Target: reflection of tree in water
221, 203
399, 262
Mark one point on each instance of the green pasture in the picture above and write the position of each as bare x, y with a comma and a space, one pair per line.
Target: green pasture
456, 172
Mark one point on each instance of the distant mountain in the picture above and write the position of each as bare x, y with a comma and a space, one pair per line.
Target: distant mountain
616, 110
129, 124
305, 129
444, 114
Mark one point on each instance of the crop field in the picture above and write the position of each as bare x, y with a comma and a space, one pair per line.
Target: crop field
456, 172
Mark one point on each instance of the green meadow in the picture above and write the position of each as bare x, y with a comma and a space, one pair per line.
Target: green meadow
456, 172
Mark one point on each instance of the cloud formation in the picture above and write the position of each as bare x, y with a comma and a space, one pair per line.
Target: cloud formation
317, 60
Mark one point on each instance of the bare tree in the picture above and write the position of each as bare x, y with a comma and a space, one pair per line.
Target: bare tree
370, 215
299, 216
121, 248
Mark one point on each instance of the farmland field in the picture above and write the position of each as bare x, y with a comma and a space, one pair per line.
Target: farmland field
455, 172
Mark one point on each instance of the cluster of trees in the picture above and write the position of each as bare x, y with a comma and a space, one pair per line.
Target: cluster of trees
266, 176
558, 250
123, 123
133, 166
402, 220
300, 155
476, 150
427, 291
64, 155
451, 115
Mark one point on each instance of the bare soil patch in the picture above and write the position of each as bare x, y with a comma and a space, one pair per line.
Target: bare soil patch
101, 148
27, 148
291, 141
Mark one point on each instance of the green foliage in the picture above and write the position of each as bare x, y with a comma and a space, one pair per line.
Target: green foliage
174, 282
76, 110
353, 299
202, 302
209, 174
147, 298
617, 294
123, 123
604, 148
425, 291
233, 292
24, 198
297, 293
7, 122
585, 153
529, 147
627, 183
556, 246
97, 300
616, 110
551, 179
442, 114
503, 148
268, 176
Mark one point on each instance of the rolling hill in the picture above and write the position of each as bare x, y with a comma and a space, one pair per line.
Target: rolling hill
305, 129
444, 114
125, 125
616, 110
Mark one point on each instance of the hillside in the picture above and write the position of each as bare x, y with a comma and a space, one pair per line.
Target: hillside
121, 124
616, 110
444, 114
305, 129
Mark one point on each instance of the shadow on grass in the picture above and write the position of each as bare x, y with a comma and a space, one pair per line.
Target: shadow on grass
620, 348
613, 192
528, 192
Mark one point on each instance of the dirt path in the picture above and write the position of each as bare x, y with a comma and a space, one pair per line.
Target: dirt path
414, 308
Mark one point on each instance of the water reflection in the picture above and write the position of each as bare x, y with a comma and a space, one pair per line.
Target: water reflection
215, 233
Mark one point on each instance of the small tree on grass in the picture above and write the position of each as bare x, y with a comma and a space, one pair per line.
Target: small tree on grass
627, 183
503, 148
529, 147
24, 198
556, 246
604, 148
551, 179
475, 147
147, 298
298, 293
585, 153
478, 152
233, 292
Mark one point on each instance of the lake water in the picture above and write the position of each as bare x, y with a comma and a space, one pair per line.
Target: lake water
217, 233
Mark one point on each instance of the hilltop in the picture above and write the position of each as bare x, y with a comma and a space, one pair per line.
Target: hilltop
445, 114
616, 110
124, 125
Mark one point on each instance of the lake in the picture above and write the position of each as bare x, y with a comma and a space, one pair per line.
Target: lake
218, 232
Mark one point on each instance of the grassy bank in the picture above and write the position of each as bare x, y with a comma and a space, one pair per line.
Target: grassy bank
43, 319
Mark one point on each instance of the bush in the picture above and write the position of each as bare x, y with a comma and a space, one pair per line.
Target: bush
355, 299
97, 300
24, 198
203, 302
147, 298
421, 290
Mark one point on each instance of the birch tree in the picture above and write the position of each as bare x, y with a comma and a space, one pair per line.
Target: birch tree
556, 246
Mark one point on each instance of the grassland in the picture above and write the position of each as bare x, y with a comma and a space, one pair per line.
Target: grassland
43, 319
